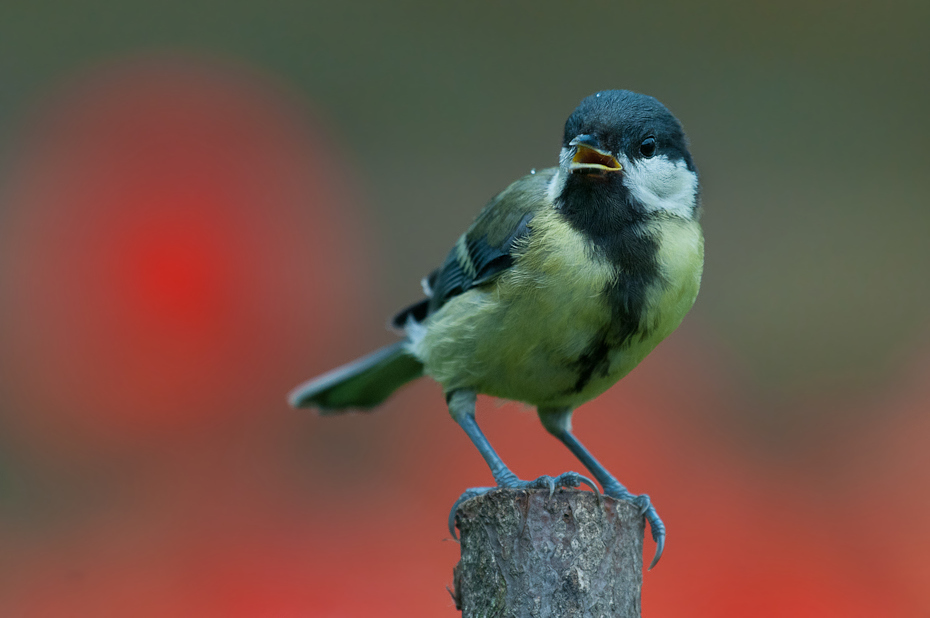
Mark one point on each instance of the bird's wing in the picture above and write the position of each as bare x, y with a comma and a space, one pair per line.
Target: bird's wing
486, 249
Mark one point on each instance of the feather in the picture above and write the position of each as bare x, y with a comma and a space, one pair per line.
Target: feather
361, 384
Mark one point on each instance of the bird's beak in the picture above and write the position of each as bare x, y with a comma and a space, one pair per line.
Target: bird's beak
589, 157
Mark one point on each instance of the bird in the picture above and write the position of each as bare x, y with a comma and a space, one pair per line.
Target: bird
563, 283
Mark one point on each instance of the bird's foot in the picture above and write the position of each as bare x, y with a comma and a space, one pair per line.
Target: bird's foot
646, 510
566, 479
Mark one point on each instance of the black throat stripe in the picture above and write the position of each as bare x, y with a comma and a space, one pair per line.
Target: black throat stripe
602, 211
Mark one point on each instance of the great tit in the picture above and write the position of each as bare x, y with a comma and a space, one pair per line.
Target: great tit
565, 281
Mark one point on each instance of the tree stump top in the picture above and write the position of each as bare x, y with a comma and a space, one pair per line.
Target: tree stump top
525, 554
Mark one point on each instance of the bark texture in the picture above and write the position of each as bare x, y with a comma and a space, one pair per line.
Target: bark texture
527, 555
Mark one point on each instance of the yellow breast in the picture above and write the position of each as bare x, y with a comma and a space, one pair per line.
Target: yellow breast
521, 336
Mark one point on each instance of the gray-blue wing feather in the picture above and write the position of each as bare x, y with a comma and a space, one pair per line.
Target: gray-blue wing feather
486, 249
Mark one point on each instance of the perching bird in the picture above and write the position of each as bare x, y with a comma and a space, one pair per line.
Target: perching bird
565, 282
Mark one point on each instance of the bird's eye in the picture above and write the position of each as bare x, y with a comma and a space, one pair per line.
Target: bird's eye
648, 147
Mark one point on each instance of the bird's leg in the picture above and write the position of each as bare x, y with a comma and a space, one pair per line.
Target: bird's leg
462, 409
558, 422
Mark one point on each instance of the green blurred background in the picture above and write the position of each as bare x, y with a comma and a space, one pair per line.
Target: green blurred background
808, 122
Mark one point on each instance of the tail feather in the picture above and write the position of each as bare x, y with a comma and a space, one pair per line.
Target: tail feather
363, 383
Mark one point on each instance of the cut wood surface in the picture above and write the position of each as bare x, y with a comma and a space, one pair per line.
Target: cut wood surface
525, 554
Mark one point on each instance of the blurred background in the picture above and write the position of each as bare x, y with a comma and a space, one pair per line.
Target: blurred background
203, 204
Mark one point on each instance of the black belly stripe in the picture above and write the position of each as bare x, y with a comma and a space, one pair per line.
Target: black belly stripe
635, 258
594, 362
603, 212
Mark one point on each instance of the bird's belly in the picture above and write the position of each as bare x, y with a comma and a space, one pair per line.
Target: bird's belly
542, 334
535, 351
520, 338
668, 308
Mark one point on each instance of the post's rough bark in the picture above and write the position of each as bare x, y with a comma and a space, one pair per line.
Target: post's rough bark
525, 554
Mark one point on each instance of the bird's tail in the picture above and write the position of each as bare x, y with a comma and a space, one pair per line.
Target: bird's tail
363, 383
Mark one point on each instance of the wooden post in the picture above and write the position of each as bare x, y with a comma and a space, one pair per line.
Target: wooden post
527, 555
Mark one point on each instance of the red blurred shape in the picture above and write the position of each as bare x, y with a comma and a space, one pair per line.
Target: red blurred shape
170, 224
174, 273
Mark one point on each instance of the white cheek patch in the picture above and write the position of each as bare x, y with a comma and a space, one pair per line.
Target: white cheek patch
565, 157
660, 185
558, 179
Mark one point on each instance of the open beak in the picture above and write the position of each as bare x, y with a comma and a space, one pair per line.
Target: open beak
590, 158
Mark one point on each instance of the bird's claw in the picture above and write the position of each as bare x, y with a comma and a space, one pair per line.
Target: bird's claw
566, 479
643, 502
658, 533
648, 511
467, 495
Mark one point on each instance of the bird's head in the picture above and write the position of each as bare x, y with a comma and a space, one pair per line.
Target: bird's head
627, 148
